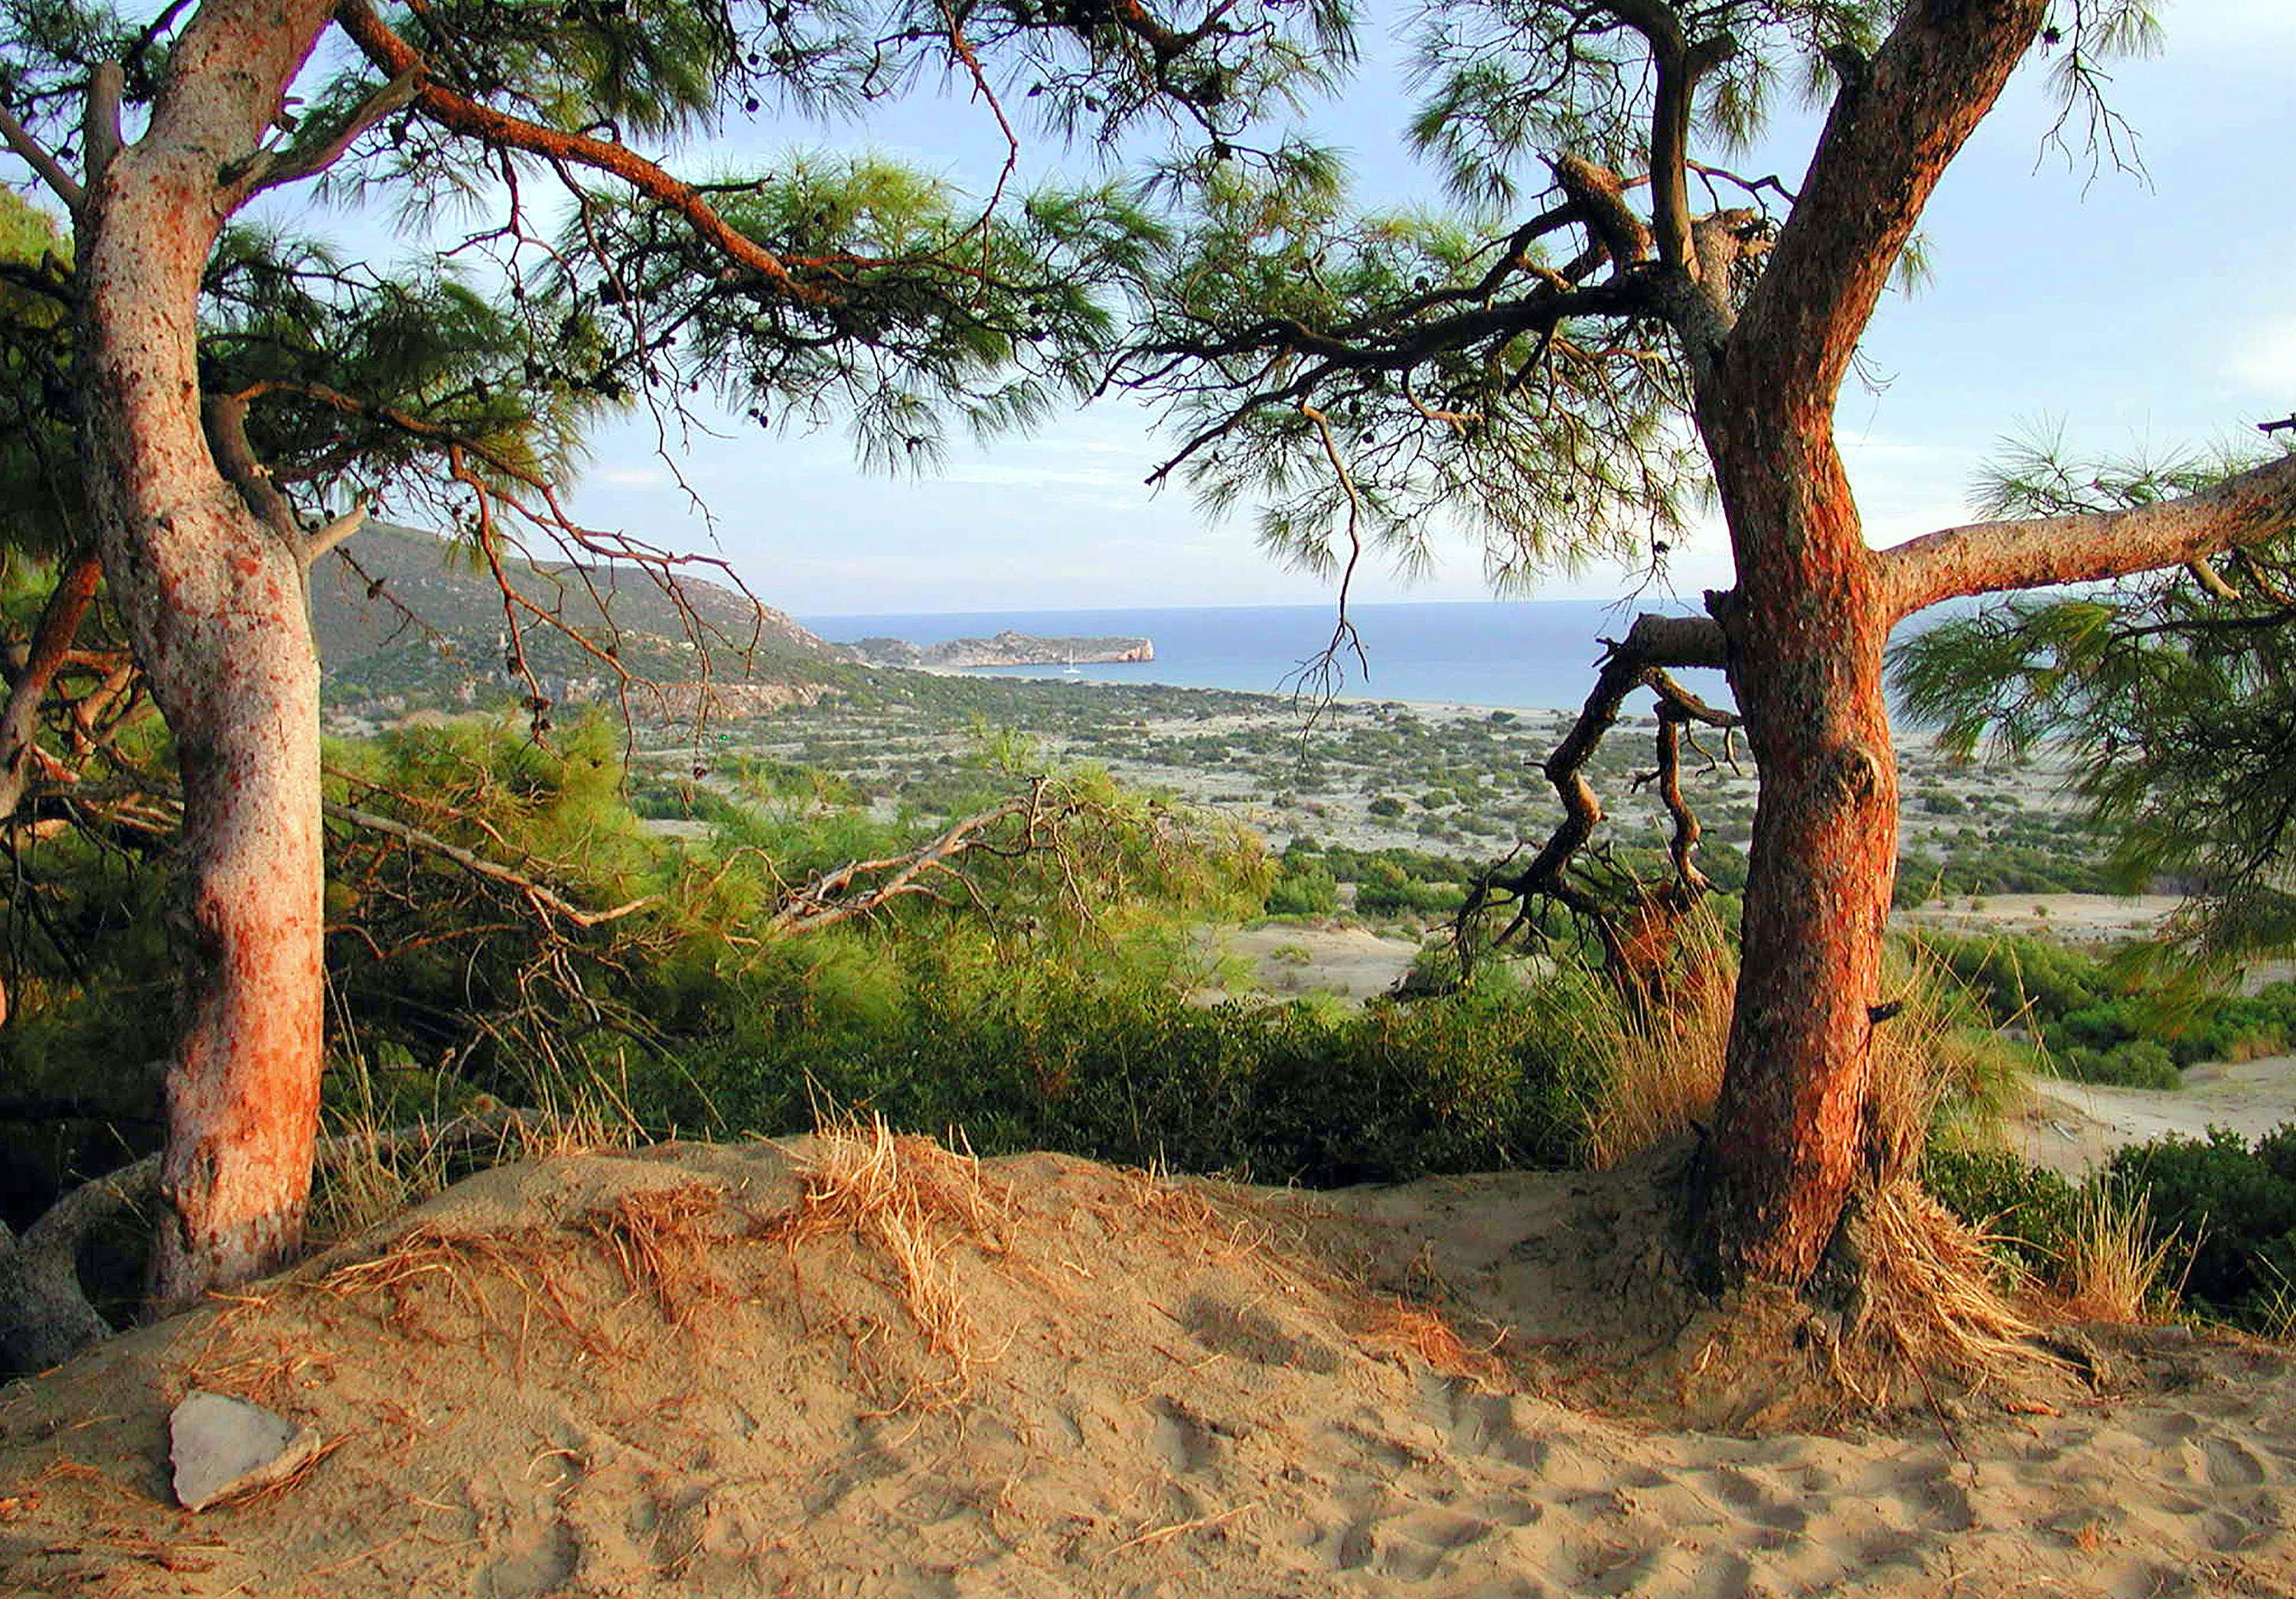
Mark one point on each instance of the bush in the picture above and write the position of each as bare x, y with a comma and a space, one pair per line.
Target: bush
2235, 1206
2138, 1064
1387, 806
2022, 978
2026, 1211
1303, 888
1050, 1057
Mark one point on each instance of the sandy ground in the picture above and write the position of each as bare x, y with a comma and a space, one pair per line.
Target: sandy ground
2066, 918
2070, 1127
1286, 960
696, 1370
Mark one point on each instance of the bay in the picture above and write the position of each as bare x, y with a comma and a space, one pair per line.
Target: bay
1511, 654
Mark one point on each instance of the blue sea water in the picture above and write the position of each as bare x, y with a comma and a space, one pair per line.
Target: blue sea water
1518, 655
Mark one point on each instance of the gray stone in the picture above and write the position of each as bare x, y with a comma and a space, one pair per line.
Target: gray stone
223, 1447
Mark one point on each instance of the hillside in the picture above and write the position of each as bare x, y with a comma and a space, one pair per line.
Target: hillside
425, 626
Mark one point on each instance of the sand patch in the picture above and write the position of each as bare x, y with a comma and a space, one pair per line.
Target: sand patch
2073, 1127
1285, 959
700, 1370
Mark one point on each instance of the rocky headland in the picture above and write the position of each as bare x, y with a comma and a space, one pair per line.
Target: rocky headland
1005, 649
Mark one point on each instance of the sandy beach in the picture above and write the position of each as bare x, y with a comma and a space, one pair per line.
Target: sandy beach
702, 1370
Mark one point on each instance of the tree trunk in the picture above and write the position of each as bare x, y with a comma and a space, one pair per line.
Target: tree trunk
1806, 626
213, 597
1806, 664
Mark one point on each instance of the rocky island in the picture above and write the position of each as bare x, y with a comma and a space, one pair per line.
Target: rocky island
1006, 649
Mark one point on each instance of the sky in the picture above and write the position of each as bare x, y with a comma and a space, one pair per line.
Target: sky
2136, 314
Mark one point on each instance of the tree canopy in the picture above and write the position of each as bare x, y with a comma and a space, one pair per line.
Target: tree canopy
2173, 691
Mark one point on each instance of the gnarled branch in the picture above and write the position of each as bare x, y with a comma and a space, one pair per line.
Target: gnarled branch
45, 1318
1640, 660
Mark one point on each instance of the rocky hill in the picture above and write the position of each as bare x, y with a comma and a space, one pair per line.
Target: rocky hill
420, 622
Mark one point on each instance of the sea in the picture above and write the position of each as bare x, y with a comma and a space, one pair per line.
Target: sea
1503, 654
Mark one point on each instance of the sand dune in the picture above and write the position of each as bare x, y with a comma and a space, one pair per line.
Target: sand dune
695, 1370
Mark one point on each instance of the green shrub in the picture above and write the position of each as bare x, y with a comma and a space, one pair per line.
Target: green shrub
2235, 1206
2026, 1211
2138, 1064
1303, 889
1054, 1057
2021, 977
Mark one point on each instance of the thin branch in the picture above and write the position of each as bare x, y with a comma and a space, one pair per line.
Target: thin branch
541, 898
326, 538
37, 156
270, 168
50, 648
457, 114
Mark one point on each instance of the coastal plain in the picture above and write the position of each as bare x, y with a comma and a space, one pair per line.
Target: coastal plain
856, 1364
1466, 781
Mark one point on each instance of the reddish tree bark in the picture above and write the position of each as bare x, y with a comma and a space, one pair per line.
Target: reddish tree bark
1807, 627
213, 597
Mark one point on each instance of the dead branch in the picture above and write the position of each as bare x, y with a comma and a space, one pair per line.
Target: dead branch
1627, 931
542, 899
38, 156
826, 900
50, 650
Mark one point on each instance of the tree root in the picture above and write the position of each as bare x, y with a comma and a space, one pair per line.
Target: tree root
46, 1317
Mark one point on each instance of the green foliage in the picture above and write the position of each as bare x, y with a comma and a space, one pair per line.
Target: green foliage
1273, 259
2101, 1022
2018, 977
1303, 888
39, 488
2134, 1063
2029, 1212
2233, 1204
2173, 691
446, 982
1052, 1057
935, 309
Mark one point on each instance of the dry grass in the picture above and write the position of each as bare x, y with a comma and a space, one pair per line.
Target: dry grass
2112, 1265
1421, 1330
370, 1173
661, 1241
443, 1285
1932, 1299
913, 1201
1665, 1067
1932, 1296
